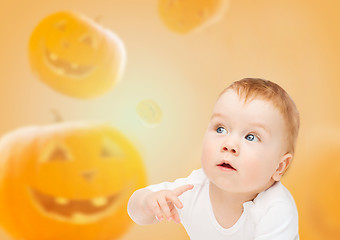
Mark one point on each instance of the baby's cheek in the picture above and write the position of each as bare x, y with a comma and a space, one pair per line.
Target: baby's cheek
208, 151
256, 174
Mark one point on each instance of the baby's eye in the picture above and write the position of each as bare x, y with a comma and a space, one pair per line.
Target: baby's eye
252, 138
221, 130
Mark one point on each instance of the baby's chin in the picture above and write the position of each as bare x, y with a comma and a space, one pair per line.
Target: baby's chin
247, 191
223, 185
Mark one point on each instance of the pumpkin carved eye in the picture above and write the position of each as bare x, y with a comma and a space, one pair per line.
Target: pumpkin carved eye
111, 150
61, 25
55, 152
105, 153
58, 155
88, 40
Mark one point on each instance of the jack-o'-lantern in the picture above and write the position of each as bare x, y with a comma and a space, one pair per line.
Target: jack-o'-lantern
67, 181
183, 16
76, 56
314, 182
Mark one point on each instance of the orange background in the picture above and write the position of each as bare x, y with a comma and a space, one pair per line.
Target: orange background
294, 43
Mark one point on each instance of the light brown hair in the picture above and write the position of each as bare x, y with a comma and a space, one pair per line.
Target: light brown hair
251, 88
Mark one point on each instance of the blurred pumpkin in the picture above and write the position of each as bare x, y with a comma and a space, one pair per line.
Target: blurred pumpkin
184, 16
76, 56
67, 181
314, 182
149, 112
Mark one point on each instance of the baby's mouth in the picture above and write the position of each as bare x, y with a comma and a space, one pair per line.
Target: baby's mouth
226, 166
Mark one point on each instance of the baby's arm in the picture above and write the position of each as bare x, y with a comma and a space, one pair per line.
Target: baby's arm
145, 206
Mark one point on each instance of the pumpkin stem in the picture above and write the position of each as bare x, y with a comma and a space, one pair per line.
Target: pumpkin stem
57, 115
97, 19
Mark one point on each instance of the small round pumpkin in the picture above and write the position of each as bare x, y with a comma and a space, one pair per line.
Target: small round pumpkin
184, 16
76, 56
67, 181
149, 112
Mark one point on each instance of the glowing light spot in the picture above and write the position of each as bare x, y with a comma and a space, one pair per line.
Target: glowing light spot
149, 112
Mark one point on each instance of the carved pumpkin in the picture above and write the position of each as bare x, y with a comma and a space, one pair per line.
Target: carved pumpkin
76, 56
183, 16
67, 181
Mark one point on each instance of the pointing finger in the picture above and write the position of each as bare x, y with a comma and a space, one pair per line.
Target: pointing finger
180, 190
174, 200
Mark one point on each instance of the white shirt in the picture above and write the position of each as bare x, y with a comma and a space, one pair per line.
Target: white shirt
272, 215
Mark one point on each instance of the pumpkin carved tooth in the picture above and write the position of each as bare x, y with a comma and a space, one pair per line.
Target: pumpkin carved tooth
78, 218
63, 67
99, 202
74, 66
60, 71
61, 201
53, 57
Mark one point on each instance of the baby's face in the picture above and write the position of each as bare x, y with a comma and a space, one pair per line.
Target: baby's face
243, 144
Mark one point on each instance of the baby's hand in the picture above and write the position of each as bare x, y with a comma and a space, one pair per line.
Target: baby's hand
163, 203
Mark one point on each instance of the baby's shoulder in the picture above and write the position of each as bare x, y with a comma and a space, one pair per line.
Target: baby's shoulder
275, 212
277, 198
197, 177
276, 193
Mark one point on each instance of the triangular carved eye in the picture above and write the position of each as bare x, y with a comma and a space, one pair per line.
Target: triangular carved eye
110, 149
55, 152
61, 25
88, 39
105, 153
58, 155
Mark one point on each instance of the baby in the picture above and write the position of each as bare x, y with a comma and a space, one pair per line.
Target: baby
237, 194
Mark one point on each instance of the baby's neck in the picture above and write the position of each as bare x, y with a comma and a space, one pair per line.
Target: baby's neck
227, 207
230, 198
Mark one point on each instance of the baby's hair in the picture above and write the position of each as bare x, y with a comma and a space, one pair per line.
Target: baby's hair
251, 88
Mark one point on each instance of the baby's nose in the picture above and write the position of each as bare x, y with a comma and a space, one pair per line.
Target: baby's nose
230, 147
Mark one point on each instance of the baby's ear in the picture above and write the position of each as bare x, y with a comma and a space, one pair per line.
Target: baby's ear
283, 166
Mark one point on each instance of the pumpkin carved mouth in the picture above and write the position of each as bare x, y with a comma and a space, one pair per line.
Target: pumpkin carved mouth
76, 211
63, 67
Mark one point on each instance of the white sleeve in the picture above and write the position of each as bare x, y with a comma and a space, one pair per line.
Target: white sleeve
280, 222
195, 177
167, 185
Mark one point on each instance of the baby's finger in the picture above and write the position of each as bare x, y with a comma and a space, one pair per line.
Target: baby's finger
180, 190
175, 215
174, 200
164, 207
154, 207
